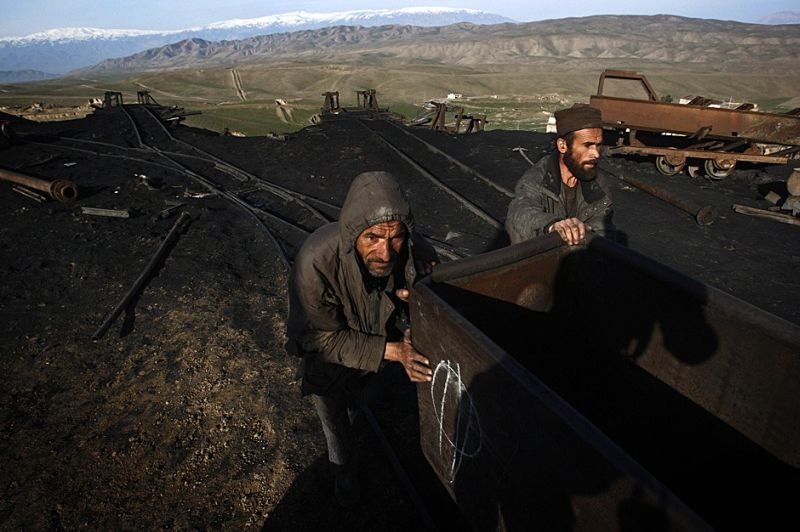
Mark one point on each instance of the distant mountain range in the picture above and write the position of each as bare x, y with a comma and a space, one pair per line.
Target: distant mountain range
65, 49
660, 38
22, 76
781, 17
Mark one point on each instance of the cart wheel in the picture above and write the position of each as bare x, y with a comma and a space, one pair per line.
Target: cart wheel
664, 166
715, 171
693, 170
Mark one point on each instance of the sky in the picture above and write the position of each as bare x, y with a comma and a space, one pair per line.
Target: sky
23, 17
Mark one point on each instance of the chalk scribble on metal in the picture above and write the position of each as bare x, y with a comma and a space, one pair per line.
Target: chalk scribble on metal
451, 400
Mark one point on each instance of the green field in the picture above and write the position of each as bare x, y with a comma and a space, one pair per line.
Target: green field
511, 97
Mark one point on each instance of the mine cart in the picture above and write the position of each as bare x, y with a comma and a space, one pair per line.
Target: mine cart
591, 388
694, 135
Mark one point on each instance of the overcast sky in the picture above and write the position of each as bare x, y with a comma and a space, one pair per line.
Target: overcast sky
23, 17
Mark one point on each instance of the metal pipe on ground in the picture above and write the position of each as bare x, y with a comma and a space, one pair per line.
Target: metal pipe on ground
60, 189
703, 214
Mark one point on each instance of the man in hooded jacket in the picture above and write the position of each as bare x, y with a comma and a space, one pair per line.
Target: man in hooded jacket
347, 312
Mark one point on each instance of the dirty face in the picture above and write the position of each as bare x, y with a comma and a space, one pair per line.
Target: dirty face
379, 246
583, 153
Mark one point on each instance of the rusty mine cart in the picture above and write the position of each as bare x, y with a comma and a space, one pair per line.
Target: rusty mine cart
693, 135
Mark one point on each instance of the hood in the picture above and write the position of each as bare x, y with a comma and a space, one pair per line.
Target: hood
374, 197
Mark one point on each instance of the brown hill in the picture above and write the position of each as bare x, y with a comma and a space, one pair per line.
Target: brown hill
662, 38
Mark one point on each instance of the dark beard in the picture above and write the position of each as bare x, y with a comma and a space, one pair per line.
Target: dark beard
580, 172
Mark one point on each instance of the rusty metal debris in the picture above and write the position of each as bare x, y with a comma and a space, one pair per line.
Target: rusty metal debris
28, 193
703, 214
763, 213
109, 213
678, 134
60, 189
140, 282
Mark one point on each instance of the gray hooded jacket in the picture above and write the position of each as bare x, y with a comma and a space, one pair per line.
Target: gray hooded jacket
338, 314
539, 201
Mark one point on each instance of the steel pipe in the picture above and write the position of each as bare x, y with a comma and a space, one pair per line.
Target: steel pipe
703, 214
60, 189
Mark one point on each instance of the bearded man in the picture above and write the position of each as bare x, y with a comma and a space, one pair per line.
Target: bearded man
565, 192
348, 316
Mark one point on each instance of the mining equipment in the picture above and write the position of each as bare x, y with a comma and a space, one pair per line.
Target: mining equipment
435, 117
562, 399
171, 115
693, 135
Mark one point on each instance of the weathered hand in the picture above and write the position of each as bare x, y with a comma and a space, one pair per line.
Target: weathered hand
402, 294
417, 366
572, 230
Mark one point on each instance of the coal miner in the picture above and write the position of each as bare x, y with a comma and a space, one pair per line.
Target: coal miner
565, 192
348, 315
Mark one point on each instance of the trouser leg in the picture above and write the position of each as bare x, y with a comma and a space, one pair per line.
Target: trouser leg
337, 412
333, 414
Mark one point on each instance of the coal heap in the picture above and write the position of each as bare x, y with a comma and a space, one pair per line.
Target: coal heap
187, 413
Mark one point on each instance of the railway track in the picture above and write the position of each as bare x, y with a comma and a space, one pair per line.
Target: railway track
305, 214
483, 201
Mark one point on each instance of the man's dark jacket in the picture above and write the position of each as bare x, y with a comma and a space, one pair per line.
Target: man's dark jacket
539, 202
338, 313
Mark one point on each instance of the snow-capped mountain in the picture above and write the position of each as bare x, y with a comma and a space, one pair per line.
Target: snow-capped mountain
64, 49
61, 35
781, 17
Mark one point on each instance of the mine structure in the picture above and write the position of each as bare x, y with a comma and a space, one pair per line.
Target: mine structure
366, 107
473, 124
112, 99
331, 102
367, 99
171, 115
435, 117
145, 98
690, 135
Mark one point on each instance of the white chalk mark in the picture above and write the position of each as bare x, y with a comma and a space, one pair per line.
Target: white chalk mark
466, 440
